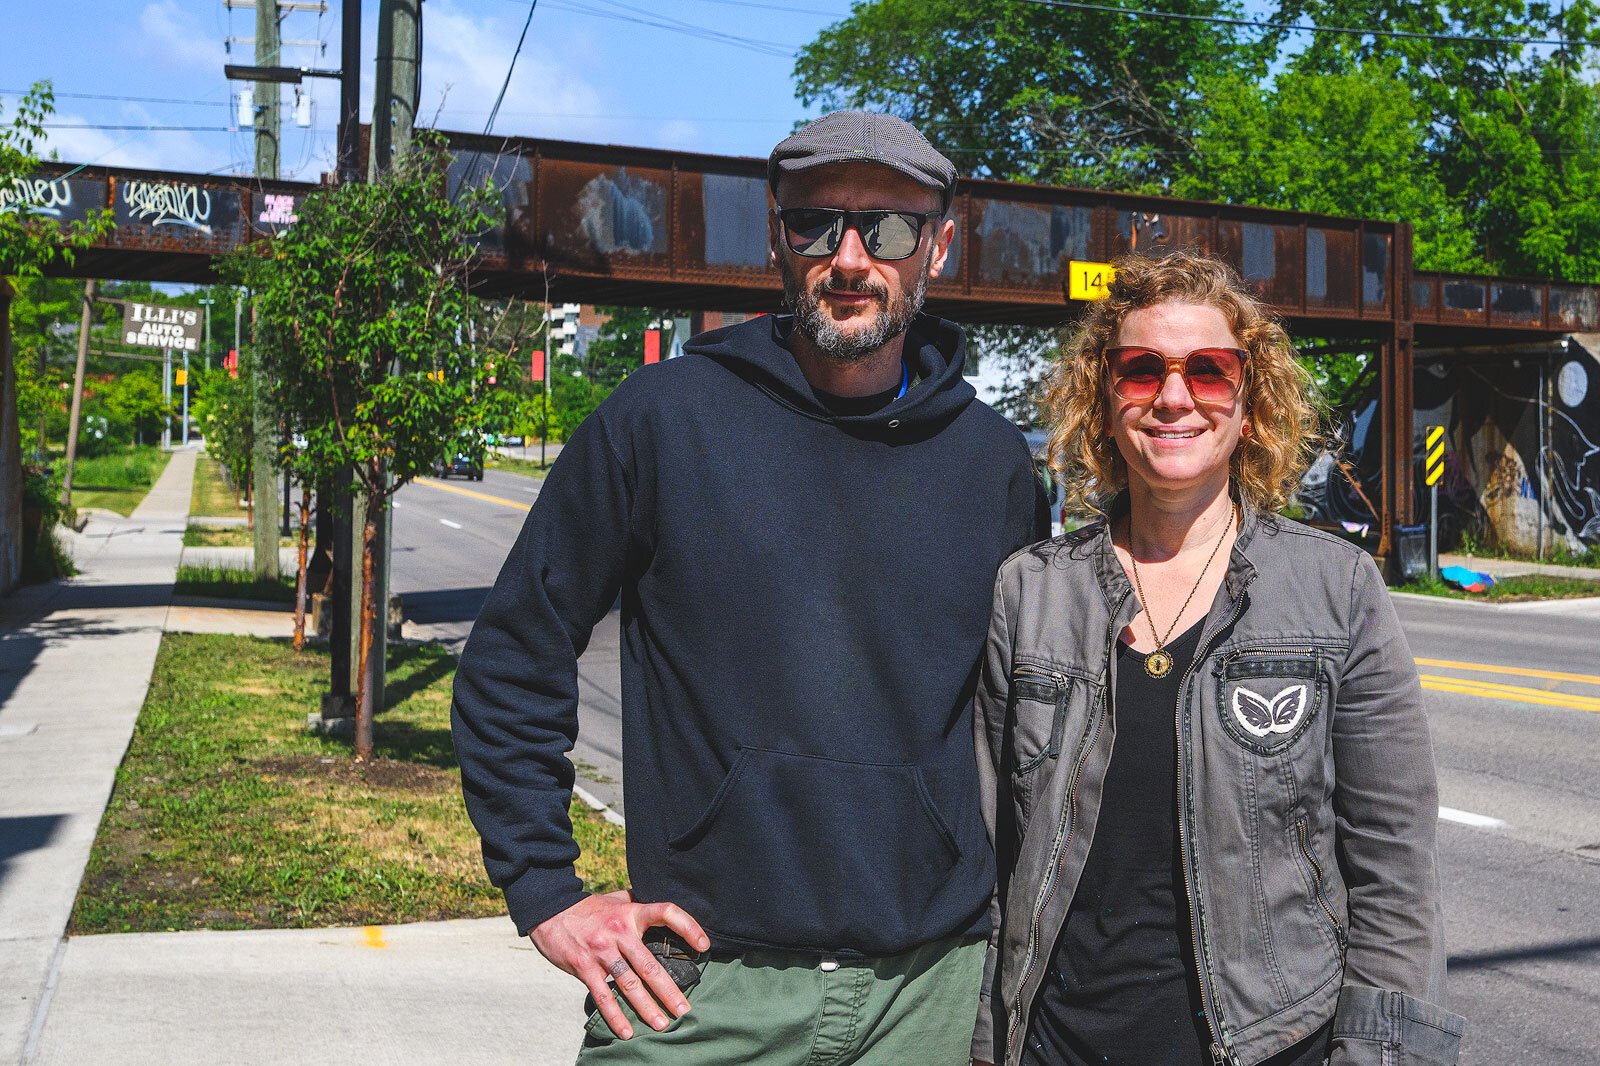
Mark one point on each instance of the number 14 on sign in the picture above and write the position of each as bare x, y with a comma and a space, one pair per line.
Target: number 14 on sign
1088, 281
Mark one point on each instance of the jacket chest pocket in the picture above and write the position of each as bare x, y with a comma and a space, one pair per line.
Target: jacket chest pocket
1267, 700
1048, 714
1038, 717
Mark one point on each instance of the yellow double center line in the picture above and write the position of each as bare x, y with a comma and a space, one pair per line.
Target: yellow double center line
432, 484
1513, 693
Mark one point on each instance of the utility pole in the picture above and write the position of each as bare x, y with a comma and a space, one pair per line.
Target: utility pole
395, 90
263, 457
395, 97
336, 507
77, 391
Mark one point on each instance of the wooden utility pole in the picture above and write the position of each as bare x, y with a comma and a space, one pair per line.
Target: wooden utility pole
263, 458
396, 88
335, 506
84, 322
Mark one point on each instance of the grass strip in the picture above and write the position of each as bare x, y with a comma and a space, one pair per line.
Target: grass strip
208, 536
512, 465
119, 480
228, 814
213, 496
1522, 587
231, 583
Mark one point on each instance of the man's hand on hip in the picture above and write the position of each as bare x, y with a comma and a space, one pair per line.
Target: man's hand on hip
602, 936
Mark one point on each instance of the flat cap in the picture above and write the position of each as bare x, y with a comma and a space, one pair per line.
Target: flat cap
863, 137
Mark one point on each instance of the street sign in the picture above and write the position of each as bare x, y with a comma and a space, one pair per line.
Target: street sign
1087, 280
1433, 465
180, 377
536, 367
157, 326
1432, 471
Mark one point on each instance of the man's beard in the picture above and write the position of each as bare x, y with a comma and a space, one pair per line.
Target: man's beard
825, 334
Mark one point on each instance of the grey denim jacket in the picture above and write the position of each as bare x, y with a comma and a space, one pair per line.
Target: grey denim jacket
1307, 795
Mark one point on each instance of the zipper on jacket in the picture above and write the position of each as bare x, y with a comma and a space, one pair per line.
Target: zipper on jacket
1058, 723
1316, 870
1064, 830
1219, 1052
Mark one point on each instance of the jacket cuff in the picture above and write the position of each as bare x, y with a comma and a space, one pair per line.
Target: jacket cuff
987, 1032
1372, 1023
542, 894
983, 1034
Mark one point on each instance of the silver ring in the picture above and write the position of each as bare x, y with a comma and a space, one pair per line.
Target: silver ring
616, 968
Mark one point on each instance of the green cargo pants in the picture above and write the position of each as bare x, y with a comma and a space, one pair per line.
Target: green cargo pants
779, 1008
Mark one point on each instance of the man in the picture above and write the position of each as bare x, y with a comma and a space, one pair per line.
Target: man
803, 517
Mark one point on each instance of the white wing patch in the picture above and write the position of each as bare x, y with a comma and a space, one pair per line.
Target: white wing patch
1261, 716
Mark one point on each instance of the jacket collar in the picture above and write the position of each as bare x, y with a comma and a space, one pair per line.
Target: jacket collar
1113, 579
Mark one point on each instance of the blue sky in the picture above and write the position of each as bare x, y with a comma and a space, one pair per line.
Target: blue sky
701, 75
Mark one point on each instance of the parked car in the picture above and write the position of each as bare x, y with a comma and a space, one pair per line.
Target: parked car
462, 464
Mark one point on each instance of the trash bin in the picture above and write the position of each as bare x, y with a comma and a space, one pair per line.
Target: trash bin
1410, 552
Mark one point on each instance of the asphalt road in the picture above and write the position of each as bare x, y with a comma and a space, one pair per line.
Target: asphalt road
1513, 695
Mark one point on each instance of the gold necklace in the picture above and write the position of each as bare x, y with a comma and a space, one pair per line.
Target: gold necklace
1158, 664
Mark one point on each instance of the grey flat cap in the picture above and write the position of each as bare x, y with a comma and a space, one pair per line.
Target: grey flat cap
863, 137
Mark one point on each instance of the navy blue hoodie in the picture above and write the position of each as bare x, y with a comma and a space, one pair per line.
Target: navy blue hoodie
804, 600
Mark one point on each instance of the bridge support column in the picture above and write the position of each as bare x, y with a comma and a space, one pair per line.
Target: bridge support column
10, 455
1399, 365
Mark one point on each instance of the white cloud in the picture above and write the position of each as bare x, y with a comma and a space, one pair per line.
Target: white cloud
176, 38
142, 149
681, 134
550, 95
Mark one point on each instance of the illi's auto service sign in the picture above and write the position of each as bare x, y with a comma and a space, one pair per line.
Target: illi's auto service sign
155, 326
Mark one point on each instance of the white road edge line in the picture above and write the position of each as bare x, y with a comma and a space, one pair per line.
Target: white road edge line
447, 522
1479, 821
595, 804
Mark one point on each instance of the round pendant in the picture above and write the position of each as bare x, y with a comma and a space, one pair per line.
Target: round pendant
1158, 664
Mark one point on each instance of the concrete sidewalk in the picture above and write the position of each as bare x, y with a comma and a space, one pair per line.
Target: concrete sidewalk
1512, 567
75, 662
465, 992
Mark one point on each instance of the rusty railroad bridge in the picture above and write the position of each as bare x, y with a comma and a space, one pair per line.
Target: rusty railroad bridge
606, 224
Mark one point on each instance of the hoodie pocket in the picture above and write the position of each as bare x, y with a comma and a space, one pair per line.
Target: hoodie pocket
808, 852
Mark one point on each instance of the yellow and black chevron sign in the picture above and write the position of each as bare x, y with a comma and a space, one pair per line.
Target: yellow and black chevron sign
1433, 466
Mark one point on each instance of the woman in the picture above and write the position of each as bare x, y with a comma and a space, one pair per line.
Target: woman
1210, 780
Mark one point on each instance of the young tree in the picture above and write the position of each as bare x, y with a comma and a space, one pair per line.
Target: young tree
30, 242
362, 319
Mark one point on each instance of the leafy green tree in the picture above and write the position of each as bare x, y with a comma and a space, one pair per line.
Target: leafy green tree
1510, 128
361, 309
133, 404
30, 242
618, 349
1342, 144
224, 411
1017, 90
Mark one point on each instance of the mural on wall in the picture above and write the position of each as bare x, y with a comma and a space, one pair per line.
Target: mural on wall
1493, 485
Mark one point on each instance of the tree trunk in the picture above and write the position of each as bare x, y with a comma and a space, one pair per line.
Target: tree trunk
300, 578
364, 708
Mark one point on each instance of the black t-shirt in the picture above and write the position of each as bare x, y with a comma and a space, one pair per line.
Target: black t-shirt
1122, 990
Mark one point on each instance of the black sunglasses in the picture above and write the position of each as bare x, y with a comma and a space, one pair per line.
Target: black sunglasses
816, 232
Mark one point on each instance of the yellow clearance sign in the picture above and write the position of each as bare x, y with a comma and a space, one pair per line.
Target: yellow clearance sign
1088, 281
1433, 466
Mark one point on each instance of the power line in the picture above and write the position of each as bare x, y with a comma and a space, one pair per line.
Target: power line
779, 7
142, 129
124, 99
1222, 20
510, 67
771, 48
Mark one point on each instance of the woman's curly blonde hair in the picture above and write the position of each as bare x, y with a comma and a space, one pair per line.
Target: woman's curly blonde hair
1279, 396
